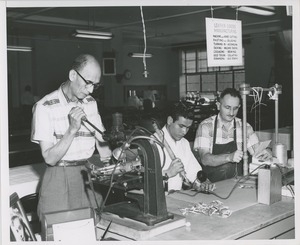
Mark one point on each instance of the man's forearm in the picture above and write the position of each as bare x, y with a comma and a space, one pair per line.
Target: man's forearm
209, 159
56, 152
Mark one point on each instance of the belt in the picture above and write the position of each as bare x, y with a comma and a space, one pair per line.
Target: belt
65, 163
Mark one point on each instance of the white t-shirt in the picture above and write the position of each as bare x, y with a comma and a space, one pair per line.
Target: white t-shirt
182, 150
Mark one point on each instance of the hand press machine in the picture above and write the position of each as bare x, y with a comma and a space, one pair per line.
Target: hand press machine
135, 170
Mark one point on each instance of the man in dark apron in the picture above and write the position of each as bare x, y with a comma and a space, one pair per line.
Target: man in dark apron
226, 170
218, 140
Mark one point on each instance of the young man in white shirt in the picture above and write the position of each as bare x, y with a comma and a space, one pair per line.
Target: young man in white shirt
185, 164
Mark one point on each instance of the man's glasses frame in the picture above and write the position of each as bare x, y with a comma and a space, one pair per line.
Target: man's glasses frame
89, 84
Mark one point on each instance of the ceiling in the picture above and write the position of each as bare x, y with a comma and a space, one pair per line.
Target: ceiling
165, 26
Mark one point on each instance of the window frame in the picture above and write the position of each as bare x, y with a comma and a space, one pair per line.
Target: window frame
196, 70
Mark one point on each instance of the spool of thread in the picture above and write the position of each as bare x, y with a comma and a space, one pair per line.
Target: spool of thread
280, 152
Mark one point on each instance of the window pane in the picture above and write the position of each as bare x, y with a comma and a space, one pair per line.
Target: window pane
202, 55
193, 83
202, 61
239, 78
225, 80
190, 66
225, 77
208, 82
202, 66
191, 55
193, 87
190, 61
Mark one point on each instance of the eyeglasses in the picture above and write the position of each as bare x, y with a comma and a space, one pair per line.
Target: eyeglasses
88, 84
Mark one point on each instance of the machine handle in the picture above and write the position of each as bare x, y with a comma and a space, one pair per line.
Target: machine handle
163, 140
84, 119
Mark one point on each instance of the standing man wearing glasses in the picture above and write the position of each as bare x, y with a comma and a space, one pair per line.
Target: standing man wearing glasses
66, 141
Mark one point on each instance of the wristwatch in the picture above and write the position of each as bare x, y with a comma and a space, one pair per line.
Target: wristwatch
165, 177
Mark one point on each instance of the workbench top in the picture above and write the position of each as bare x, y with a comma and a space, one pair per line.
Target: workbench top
249, 219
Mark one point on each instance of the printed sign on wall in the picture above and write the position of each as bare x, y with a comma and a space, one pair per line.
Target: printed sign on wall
224, 42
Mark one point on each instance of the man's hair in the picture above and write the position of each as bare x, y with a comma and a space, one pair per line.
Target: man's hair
182, 109
81, 61
231, 91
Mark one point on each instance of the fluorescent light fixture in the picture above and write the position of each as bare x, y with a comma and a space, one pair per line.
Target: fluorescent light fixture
92, 34
19, 48
139, 55
259, 10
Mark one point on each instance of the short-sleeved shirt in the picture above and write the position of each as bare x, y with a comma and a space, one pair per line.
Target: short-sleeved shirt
205, 133
50, 122
182, 150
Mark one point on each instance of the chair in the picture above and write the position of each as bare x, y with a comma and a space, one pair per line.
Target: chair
30, 203
20, 228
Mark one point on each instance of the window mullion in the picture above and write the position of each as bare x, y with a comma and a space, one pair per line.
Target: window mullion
233, 79
185, 72
217, 83
200, 77
197, 60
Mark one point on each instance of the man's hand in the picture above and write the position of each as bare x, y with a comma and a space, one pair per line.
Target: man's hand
205, 187
75, 116
265, 155
175, 168
236, 156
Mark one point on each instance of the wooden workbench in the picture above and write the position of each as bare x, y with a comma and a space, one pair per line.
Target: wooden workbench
249, 219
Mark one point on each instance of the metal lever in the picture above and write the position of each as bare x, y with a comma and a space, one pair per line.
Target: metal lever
84, 119
106, 230
186, 183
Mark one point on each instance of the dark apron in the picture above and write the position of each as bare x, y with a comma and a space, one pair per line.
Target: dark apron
227, 170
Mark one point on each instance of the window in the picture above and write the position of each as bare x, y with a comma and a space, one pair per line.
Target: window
197, 77
109, 66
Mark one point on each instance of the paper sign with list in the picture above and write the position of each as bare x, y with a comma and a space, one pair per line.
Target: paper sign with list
224, 42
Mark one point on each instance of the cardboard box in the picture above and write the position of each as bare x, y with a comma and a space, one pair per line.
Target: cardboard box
269, 185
